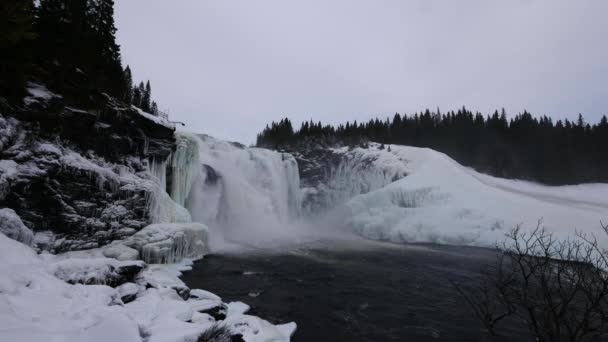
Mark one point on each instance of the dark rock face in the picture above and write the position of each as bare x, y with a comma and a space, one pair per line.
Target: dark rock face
81, 173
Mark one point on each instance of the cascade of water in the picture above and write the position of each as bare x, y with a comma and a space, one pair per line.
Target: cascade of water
245, 193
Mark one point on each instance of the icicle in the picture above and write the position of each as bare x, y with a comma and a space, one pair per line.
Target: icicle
185, 166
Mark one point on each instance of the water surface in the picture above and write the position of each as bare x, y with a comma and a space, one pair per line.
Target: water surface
355, 291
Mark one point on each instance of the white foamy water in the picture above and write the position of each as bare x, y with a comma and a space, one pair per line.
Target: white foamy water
248, 195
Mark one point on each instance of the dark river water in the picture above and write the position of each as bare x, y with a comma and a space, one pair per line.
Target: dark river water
356, 291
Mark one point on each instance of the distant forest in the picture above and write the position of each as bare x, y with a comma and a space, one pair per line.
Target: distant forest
524, 147
69, 46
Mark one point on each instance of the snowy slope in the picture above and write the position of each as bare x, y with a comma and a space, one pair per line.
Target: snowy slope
441, 201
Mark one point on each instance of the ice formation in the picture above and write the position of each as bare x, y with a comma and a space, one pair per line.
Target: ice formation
359, 171
162, 208
185, 166
166, 243
441, 201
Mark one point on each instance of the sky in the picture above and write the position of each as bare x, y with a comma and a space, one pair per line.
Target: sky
229, 67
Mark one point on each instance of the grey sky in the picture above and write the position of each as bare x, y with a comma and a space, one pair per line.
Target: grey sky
228, 67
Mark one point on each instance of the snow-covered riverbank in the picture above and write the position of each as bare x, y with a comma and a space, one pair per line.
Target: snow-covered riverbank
44, 297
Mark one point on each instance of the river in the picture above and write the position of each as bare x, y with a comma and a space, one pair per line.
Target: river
353, 290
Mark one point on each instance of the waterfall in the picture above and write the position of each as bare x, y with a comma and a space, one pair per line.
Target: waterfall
244, 193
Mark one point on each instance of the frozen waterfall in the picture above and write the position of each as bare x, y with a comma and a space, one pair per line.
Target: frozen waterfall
185, 166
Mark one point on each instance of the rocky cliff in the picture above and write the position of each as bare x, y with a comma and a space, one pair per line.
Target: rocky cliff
81, 173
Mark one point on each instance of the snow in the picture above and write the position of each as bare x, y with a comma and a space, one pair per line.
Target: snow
38, 93
166, 243
36, 305
89, 270
12, 226
8, 172
441, 201
157, 119
120, 252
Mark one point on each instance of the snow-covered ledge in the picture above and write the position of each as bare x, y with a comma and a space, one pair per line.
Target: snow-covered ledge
43, 296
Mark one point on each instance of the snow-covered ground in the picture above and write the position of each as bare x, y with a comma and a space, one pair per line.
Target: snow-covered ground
40, 300
441, 201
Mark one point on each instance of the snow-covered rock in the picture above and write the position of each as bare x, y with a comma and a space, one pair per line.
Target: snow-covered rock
166, 243
98, 271
89, 192
441, 201
119, 251
11, 226
128, 292
35, 305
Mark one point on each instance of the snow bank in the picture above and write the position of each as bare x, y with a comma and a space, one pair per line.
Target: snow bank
11, 226
97, 271
154, 118
166, 243
35, 305
441, 201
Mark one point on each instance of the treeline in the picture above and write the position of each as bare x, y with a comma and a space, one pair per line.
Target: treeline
70, 45
524, 147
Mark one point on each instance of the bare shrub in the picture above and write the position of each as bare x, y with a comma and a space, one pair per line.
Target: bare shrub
216, 333
558, 288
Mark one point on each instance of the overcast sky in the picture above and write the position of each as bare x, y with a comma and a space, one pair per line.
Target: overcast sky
228, 67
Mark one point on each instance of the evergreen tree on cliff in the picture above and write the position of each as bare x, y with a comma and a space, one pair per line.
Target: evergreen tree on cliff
146, 97
128, 85
80, 35
16, 36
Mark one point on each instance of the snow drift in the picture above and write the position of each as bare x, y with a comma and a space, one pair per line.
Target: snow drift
38, 303
441, 201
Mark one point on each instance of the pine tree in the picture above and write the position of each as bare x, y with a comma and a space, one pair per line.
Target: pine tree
81, 34
128, 85
16, 35
136, 97
146, 97
154, 108
141, 89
